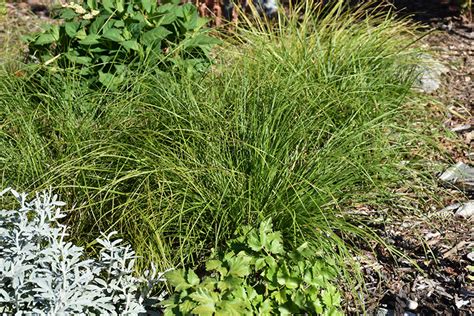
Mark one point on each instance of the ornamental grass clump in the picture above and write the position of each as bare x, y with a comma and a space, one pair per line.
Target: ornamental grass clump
41, 272
299, 121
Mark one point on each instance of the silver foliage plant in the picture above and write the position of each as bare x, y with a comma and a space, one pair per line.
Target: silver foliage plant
42, 273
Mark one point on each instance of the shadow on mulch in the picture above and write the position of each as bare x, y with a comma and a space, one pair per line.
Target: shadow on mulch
427, 10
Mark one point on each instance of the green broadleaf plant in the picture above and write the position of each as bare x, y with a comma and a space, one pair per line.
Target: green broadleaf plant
93, 37
257, 276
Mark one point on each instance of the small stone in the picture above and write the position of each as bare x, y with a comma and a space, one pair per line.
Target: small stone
412, 305
466, 210
429, 74
469, 137
460, 175
432, 235
461, 303
470, 256
462, 128
451, 208
384, 312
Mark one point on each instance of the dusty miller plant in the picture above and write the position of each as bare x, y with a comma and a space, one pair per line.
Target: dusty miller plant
42, 273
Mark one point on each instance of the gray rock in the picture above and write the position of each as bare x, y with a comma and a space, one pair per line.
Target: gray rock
385, 312
412, 304
429, 74
466, 210
470, 256
461, 175
462, 128
451, 208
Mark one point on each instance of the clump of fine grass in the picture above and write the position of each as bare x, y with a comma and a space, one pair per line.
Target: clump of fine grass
291, 124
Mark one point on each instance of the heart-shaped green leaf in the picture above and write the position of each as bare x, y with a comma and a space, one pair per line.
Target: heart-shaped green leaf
90, 39
133, 45
71, 28
114, 34
44, 39
154, 36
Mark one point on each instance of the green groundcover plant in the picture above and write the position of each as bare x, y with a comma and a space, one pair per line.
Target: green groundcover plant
257, 276
103, 40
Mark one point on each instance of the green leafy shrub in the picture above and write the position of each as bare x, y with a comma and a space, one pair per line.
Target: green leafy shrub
257, 276
103, 40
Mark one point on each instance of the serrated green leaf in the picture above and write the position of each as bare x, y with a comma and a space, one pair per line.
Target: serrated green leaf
203, 297
127, 34
289, 308
177, 280
303, 248
92, 4
239, 266
279, 288
90, 39
271, 271
187, 306
97, 50
105, 58
154, 36
45, 39
83, 60
231, 308
166, 13
266, 308
120, 5
67, 14
318, 306
254, 242
299, 299
120, 69
119, 23
27, 38
148, 5
81, 34
330, 296
132, 44
192, 278
71, 28
114, 34
108, 5
275, 246
291, 282
260, 263
266, 227
189, 17
98, 23
55, 32
204, 310
213, 265
282, 273
279, 296
230, 283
